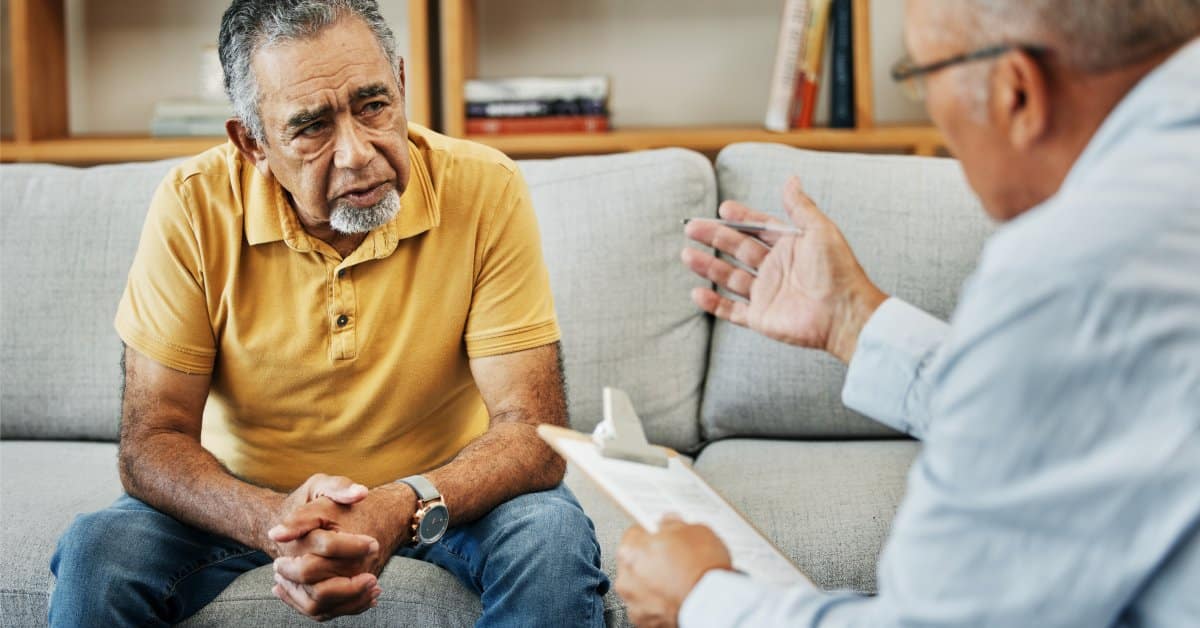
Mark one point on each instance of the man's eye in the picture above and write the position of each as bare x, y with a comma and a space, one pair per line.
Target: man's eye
312, 129
374, 107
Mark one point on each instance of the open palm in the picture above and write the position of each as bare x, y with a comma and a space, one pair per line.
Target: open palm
804, 289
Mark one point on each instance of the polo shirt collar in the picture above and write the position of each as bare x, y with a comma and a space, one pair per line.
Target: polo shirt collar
269, 217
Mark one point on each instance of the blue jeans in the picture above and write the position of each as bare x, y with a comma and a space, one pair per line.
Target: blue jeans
130, 565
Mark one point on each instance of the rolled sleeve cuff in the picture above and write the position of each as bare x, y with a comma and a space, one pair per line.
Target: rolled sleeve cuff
894, 344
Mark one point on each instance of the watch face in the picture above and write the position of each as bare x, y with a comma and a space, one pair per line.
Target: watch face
434, 523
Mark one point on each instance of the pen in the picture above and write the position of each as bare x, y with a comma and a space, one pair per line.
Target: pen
752, 227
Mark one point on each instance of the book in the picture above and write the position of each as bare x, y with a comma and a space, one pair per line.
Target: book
190, 118
804, 107
546, 124
536, 88
188, 127
207, 109
536, 108
841, 66
790, 48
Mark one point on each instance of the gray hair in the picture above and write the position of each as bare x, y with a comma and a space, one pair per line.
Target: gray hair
1091, 36
250, 25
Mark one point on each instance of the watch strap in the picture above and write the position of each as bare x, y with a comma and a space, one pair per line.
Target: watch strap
424, 488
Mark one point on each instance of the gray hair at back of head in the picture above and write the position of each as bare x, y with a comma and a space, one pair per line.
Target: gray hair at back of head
250, 25
1091, 35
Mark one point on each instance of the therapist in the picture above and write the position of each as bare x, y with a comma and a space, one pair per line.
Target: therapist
1059, 481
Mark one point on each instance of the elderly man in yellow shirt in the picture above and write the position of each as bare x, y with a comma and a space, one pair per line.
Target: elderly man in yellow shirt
340, 339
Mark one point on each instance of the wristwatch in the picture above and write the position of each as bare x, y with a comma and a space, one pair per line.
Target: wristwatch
432, 518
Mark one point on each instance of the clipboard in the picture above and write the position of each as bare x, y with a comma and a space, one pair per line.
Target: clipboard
646, 490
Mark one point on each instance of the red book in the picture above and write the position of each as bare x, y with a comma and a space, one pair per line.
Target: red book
550, 124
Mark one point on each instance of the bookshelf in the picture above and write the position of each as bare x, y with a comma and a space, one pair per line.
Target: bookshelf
41, 122
40, 105
460, 50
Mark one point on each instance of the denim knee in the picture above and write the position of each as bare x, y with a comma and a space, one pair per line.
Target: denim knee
548, 527
97, 560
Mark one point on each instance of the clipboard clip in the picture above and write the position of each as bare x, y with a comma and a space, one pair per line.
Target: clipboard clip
620, 434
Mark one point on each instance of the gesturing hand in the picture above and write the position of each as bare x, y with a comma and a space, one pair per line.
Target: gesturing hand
323, 569
806, 289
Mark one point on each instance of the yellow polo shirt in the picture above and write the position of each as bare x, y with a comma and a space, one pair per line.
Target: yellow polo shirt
354, 366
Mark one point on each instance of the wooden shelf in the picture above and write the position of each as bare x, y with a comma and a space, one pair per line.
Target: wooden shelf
920, 140
80, 150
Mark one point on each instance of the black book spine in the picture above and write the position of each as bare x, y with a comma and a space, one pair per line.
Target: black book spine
841, 87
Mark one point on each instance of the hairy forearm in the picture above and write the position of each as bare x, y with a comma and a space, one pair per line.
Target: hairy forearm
507, 461
172, 472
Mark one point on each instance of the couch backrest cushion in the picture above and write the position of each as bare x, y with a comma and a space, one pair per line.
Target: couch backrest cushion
67, 238
612, 235
915, 226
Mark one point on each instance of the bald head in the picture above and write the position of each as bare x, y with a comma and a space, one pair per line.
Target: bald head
1091, 36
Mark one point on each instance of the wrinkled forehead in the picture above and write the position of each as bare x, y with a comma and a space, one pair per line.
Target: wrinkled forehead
336, 63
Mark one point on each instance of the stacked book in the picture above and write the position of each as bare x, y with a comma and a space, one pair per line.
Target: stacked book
537, 105
190, 118
792, 102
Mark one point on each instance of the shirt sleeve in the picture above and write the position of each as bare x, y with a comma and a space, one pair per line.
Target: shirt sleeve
512, 308
1029, 502
163, 312
888, 379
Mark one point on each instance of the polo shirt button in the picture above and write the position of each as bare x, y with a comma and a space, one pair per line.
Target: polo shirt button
342, 320
341, 273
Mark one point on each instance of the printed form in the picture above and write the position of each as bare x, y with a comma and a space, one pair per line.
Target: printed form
648, 492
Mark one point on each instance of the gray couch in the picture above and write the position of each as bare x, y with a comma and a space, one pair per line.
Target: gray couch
764, 421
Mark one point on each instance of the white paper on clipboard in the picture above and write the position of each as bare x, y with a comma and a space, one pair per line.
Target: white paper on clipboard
648, 492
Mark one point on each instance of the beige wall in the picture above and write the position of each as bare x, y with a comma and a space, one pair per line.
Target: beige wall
672, 61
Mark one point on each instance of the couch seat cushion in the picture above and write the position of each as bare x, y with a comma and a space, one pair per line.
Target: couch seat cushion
45, 484
828, 505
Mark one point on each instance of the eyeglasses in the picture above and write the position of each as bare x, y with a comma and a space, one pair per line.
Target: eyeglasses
911, 76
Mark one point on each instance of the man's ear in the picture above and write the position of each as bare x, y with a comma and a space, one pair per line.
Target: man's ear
249, 147
400, 74
1021, 99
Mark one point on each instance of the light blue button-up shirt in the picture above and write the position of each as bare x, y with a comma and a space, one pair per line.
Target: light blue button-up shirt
1059, 481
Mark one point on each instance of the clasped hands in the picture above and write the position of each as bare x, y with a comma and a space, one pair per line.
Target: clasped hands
332, 539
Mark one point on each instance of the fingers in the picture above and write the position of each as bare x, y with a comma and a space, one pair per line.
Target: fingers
339, 488
735, 312
330, 598
718, 271
744, 248
311, 568
733, 210
332, 544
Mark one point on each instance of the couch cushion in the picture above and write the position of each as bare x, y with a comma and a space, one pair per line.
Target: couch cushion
67, 238
44, 485
827, 505
916, 228
611, 234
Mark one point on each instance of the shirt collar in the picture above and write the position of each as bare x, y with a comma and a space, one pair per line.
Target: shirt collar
269, 217
1170, 90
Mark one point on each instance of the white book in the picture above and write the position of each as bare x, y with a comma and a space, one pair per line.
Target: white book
536, 88
788, 52
183, 109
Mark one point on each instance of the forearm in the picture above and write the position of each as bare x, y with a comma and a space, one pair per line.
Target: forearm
508, 460
172, 472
